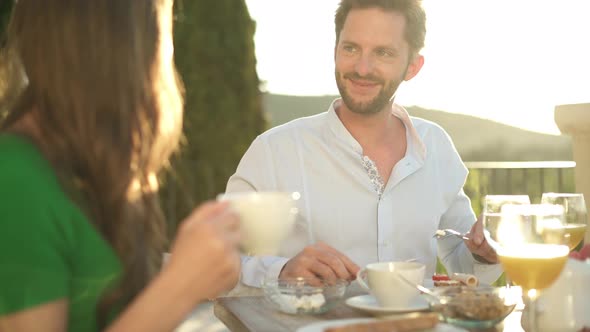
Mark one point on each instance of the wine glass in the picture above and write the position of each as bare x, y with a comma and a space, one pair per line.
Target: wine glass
492, 207
575, 215
531, 246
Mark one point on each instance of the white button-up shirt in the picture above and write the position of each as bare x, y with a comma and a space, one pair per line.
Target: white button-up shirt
317, 157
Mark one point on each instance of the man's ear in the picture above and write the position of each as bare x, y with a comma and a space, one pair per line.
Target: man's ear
414, 66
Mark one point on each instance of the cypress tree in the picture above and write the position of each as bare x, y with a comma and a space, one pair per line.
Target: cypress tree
214, 53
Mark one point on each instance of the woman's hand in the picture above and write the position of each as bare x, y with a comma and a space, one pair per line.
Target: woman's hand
204, 256
204, 262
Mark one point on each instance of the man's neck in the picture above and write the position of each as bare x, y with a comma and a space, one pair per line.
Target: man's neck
371, 130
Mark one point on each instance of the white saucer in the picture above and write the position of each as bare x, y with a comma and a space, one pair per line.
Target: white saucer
321, 326
369, 304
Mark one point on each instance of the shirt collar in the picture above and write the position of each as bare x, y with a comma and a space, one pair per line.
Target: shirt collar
415, 144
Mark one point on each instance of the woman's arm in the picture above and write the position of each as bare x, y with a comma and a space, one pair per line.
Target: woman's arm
204, 263
49, 317
161, 307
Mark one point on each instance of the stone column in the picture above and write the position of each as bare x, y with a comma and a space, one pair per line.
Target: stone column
574, 120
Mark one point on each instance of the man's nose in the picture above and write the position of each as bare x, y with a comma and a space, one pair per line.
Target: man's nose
364, 65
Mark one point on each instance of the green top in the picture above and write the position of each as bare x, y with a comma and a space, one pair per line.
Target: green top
48, 248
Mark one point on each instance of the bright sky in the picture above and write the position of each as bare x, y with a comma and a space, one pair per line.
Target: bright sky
511, 61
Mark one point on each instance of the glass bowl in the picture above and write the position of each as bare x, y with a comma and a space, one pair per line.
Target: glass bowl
473, 307
303, 295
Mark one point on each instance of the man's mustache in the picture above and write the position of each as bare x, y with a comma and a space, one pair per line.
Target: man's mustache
356, 76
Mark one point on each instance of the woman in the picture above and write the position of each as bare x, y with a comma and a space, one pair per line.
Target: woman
92, 113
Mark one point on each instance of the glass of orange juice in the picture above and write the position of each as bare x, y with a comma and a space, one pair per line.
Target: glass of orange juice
531, 246
492, 206
575, 215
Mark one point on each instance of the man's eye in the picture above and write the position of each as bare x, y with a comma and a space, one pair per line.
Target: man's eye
349, 48
385, 53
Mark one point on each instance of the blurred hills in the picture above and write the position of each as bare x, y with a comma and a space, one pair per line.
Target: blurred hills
476, 139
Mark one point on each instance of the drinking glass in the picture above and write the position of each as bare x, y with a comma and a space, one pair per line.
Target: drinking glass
492, 204
530, 243
575, 215
492, 207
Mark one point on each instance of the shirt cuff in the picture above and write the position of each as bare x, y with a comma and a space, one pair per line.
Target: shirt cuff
487, 273
481, 259
276, 267
255, 269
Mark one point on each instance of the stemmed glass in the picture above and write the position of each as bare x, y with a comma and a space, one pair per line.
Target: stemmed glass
575, 215
530, 243
492, 205
492, 208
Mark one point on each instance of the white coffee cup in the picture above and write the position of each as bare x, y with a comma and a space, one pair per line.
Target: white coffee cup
266, 218
387, 287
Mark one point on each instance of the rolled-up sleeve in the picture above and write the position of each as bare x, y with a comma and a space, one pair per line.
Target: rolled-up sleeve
453, 253
458, 214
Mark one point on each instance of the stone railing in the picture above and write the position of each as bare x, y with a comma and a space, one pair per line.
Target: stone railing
518, 178
574, 120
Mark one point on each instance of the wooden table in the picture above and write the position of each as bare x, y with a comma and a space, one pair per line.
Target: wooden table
253, 313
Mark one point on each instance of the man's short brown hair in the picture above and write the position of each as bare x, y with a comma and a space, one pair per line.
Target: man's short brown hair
411, 9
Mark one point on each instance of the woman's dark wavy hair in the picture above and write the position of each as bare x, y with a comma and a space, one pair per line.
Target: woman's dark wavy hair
98, 78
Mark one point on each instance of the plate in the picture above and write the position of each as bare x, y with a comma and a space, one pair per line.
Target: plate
369, 304
321, 326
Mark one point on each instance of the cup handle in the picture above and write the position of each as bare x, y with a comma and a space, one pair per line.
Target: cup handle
360, 278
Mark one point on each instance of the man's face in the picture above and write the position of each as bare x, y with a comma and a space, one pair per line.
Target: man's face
372, 59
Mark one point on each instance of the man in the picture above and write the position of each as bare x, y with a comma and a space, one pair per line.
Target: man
375, 184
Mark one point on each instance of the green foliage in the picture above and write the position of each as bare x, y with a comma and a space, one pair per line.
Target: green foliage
5, 8
214, 53
475, 189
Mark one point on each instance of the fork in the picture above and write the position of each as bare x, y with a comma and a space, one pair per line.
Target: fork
443, 233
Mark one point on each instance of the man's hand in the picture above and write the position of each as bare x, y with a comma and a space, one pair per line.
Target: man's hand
320, 261
478, 245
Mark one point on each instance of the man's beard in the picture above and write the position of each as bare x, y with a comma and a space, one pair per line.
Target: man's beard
374, 105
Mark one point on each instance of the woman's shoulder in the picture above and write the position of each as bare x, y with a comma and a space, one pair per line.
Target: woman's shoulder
31, 197
24, 170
